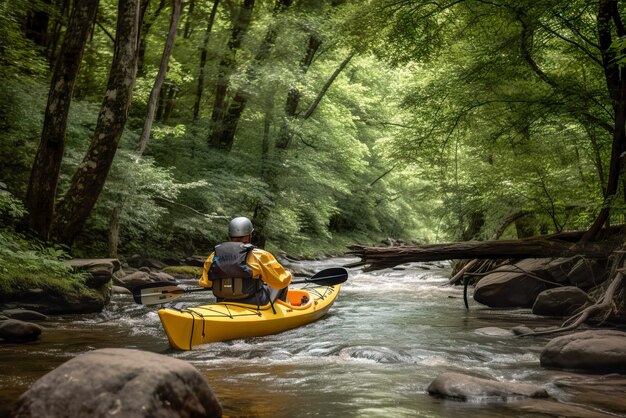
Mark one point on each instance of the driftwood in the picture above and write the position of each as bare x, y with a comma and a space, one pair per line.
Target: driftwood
556, 245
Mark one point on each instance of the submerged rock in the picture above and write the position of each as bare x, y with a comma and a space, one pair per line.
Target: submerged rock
494, 332
24, 315
123, 383
466, 388
561, 301
522, 330
13, 330
591, 351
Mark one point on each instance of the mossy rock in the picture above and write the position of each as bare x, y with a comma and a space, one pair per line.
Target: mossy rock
185, 272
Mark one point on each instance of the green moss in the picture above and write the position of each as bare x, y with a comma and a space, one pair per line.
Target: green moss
190, 271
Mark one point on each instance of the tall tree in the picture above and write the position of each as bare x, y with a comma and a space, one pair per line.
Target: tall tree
36, 26
240, 97
294, 94
44, 176
226, 67
89, 178
272, 176
146, 25
160, 78
610, 22
203, 57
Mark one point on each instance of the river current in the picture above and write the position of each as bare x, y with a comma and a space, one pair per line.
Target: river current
389, 334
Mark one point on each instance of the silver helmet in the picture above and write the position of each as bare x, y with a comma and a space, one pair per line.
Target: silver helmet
240, 227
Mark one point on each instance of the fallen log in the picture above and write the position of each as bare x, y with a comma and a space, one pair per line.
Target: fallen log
555, 245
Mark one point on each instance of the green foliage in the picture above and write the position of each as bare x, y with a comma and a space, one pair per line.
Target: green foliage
26, 263
440, 119
18, 55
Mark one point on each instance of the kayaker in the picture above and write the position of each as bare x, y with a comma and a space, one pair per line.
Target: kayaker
239, 272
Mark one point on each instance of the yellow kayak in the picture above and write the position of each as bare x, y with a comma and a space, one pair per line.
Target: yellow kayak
224, 321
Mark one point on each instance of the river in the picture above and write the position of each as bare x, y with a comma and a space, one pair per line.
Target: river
389, 334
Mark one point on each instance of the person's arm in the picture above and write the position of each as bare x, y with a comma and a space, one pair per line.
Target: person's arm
271, 271
204, 280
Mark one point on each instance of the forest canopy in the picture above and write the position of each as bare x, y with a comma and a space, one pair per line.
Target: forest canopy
143, 126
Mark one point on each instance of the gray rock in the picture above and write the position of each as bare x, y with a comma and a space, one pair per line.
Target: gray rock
463, 387
195, 260
560, 301
123, 383
522, 330
494, 332
592, 351
511, 286
24, 315
159, 276
506, 289
13, 330
119, 290
100, 270
138, 261
135, 279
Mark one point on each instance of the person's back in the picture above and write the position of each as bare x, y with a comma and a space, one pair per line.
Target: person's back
239, 272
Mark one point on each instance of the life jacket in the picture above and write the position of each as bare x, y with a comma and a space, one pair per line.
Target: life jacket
231, 276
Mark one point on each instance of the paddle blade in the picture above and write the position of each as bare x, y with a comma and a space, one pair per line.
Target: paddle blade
156, 293
328, 277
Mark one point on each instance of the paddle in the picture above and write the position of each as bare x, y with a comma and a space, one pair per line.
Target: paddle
162, 292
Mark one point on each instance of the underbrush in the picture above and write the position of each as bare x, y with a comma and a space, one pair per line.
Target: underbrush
27, 264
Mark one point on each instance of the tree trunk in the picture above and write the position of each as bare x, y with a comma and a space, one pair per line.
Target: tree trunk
203, 56
89, 179
262, 212
540, 247
294, 95
607, 13
170, 103
240, 98
114, 228
158, 82
60, 20
44, 175
36, 28
226, 68
143, 37
307, 113
187, 31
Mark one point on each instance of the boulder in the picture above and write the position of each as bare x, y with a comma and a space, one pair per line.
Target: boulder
24, 315
135, 279
522, 330
512, 286
508, 290
100, 270
195, 260
119, 290
159, 276
590, 351
66, 303
468, 388
560, 301
138, 261
13, 330
120, 382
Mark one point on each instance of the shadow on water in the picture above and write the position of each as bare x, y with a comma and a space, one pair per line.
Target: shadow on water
388, 336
